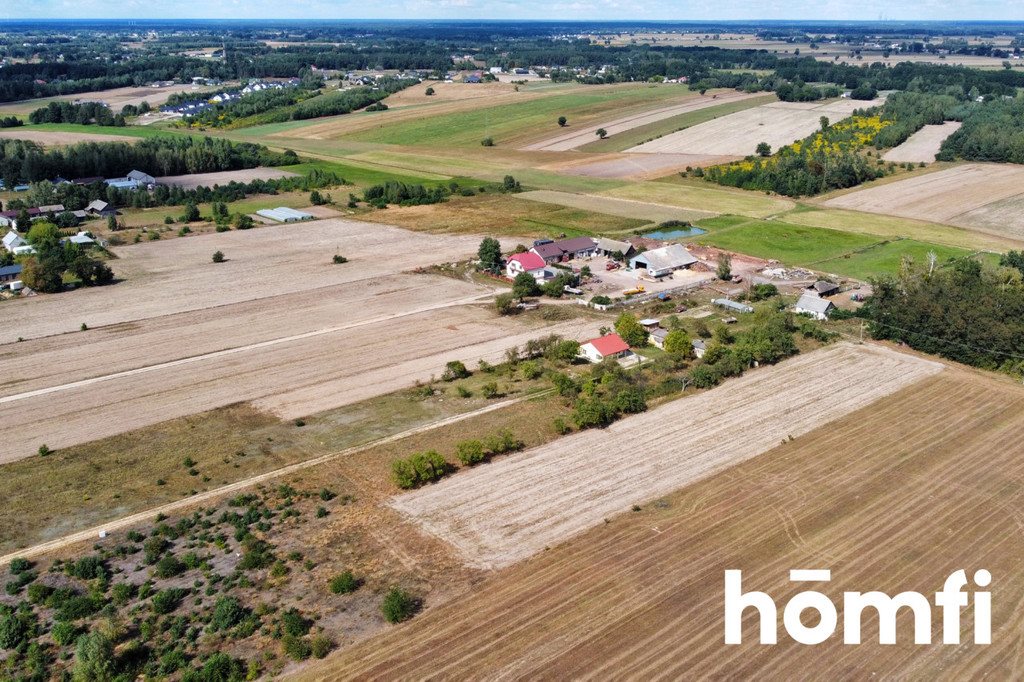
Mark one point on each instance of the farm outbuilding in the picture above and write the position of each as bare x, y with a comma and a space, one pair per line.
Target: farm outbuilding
606, 247
816, 307
733, 305
282, 214
663, 261
824, 288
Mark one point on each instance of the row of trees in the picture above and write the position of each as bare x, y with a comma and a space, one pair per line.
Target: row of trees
86, 113
24, 161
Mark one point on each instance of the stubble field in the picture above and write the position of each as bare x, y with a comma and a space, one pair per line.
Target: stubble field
778, 124
894, 496
506, 512
923, 145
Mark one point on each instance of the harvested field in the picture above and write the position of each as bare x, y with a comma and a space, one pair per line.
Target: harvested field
973, 195
574, 138
702, 196
507, 511
922, 145
892, 497
174, 276
778, 124
626, 208
52, 138
290, 376
638, 166
117, 98
224, 177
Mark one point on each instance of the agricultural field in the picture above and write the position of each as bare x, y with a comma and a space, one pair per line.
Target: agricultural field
205, 345
698, 195
738, 134
51, 138
887, 256
504, 513
922, 146
576, 138
642, 596
116, 98
517, 124
977, 196
626, 208
636, 166
223, 177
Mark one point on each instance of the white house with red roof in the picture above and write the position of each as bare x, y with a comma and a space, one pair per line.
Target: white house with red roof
526, 262
607, 346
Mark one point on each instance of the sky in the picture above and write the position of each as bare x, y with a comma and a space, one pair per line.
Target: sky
680, 10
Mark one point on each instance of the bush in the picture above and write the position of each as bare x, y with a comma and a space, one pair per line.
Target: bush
592, 412
490, 390
470, 452
167, 600
64, 633
454, 370
296, 648
168, 567
399, 605
505, 304
294, 623
218, 257
227, 613
20, 565
463, 392
87, 568
487, 142
338, 259
344, 583
419, 469
38, 593
320, 646
704, 376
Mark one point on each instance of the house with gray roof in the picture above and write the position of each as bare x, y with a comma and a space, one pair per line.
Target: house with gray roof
824, 288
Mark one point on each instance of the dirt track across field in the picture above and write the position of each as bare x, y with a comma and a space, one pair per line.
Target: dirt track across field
895, 496
923, 145
738, 134
505, 512
578, 137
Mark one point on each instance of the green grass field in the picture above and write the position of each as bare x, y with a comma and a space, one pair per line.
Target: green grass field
364, 176
126, 131
507, 123
886, 257
699, 195
630, 138
791, 244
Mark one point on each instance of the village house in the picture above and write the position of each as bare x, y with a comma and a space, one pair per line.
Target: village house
664, 261
657, 337
815, 306
101, 208
9, 273
608, 346
565, 249
526, 262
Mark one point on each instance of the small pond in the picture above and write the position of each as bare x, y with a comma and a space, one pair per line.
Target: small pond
675, 233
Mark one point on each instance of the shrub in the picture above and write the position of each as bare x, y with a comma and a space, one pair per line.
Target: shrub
399, 605
122, 593
561, 427
167, 600
487, 142
38, 593
44, 451
490, 390
592, 412
470, 452
227, 613
296, 648
20, 565
320, 646
218, 256
418, 469
339, 259
294, 623
344, 583
64, 633
87, 568
168, 567
454, 370
704, 376
463, 392
505, 304
531, 370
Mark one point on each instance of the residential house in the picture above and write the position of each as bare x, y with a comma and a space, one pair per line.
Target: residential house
52, 208
663, 261
657, 337
815, 306
9, 273
699, 347
525, 262
144, 179
823, 288
608, 346
13, 240
607, 247
82, 239
733, 305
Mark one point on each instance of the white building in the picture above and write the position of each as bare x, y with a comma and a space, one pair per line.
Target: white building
818, 308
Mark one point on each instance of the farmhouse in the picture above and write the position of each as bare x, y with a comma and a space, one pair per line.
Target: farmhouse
816, 307
823, 288
733, 305
565, 249
13, 240
663, 261
608, 346
607, 247
9, 273
658, 337
525, 262
283, 214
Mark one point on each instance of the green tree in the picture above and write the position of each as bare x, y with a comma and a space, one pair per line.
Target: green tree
244, 221
630, 330
470, 452
94, 658
678, 344
218, 257
43, 235
489, 254
344, 583
724, 269
601, 133
191, 214
525, 285
429, 92
562, 121
824, 122
763, 149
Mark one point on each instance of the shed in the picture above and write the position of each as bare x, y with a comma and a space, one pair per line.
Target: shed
9, 273
283, 214
663, 261
824, 288
100, 208
607, 247
658, 337
816, 307
699, 347
733, 305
